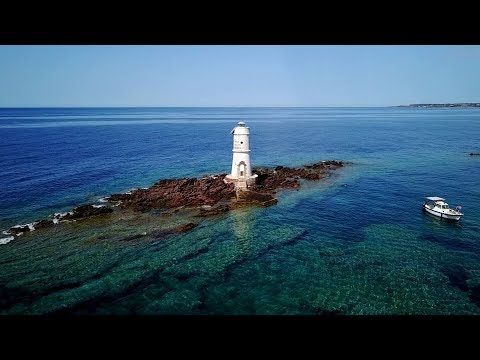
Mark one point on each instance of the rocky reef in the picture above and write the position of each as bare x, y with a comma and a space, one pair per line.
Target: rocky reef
214, 196
163, 233
209, 196
281, 177
80, 212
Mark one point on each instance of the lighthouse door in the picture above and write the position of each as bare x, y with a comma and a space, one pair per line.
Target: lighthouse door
241, 169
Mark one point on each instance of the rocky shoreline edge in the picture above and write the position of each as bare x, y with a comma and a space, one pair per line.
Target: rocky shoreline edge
210, 195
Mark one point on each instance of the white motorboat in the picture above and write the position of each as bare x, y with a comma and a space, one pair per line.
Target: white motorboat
438, 207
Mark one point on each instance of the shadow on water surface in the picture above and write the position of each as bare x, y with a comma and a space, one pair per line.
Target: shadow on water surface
446, 233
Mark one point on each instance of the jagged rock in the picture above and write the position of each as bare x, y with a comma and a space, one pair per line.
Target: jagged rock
86, 211
18, 229
269, 180
173, 193
45, 223
118, 197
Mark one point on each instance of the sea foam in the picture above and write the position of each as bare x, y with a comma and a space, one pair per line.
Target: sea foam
6, 240
129, 192
31, 226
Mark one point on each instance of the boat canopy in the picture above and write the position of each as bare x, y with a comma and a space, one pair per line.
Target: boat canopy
435, 198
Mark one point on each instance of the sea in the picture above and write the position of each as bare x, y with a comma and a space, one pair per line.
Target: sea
355, 243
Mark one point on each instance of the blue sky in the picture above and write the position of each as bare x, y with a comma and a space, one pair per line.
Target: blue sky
237, 75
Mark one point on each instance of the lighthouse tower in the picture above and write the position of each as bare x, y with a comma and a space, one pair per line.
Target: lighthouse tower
241, 173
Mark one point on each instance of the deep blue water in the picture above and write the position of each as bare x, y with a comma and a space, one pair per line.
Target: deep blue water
356, 244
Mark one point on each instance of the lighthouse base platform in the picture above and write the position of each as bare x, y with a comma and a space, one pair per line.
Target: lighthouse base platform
241, 182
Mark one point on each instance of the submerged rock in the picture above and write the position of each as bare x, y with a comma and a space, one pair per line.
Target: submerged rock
135, 236
212, 211
475, 295
185, 227
457, 276
159, 234
247, 197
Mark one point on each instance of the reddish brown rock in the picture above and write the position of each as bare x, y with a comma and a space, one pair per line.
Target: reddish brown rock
172, 193
283, 177
210, 190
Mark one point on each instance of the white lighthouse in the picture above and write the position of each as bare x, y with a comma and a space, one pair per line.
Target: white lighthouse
241, 173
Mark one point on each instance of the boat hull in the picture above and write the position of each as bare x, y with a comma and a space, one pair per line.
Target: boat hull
442, 215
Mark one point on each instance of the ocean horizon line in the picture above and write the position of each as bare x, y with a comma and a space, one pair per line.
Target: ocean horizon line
192, 107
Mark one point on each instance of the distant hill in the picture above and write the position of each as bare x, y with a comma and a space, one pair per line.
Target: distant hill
467, 105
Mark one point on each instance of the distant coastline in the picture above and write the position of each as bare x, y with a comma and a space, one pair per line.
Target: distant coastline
463, 105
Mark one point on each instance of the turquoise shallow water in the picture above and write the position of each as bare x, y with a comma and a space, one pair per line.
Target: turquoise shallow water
357, 243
